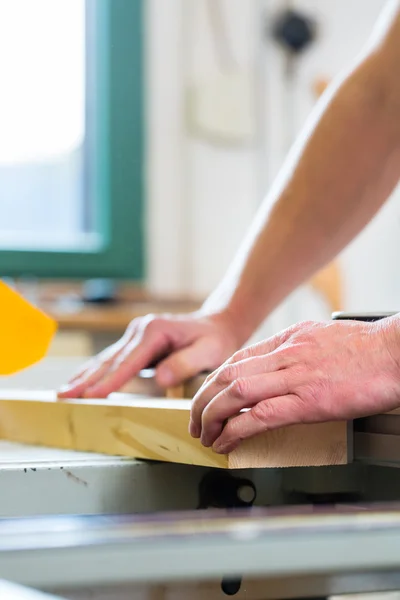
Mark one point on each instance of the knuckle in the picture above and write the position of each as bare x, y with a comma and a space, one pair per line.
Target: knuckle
105, 359
311, 323
306, 324
210, 377
240, 388
303, 328
238, 356
302, 340
119, 361
157, 325
313, 389
105, 354
263, 412
150, 323
287, 355
299, 372
157, 322
290, 360
286, 381
307, 391
226, 375
130, 330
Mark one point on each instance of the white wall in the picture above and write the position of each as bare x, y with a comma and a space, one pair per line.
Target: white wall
203, 195
370, 262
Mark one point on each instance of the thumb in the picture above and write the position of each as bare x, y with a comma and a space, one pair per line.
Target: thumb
186, 363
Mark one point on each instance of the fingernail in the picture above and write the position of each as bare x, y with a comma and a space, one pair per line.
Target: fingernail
223, 448
193, 429
220, 449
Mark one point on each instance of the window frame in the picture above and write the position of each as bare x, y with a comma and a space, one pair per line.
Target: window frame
117, 152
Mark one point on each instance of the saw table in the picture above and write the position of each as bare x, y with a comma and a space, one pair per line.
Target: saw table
264, 553
83, 525
193, 527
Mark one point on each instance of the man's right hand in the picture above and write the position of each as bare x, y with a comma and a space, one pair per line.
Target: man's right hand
181, 346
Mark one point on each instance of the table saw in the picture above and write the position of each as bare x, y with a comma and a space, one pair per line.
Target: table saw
180, 529
83, 525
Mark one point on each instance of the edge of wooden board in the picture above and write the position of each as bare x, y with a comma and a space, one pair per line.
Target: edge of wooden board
157, 429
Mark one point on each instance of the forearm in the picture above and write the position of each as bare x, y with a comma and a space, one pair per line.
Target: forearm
341, 171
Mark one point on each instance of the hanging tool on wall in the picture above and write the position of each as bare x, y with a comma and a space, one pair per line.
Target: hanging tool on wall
221, 107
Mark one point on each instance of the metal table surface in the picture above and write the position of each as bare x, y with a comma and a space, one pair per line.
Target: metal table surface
319, 561
41, 481
354, 548
10, 591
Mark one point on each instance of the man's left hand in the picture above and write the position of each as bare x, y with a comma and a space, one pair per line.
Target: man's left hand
312, 372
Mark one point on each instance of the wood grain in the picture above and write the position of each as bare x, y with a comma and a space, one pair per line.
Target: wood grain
297, 446
157, 429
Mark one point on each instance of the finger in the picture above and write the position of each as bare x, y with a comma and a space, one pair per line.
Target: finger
88, 379
65, 391
186, 363
88, 366
242, 393
135, 357
226, 375
92, 372
264, 416
265, 346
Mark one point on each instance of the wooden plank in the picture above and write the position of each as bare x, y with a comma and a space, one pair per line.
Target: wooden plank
157, 429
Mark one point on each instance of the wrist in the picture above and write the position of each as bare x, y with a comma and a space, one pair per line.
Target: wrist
234, 320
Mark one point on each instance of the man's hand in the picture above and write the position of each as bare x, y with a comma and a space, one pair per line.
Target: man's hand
181, 345
309, 373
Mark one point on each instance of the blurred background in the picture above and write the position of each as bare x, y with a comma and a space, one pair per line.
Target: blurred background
137, 140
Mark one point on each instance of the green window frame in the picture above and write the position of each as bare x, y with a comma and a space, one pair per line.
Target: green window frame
116, 156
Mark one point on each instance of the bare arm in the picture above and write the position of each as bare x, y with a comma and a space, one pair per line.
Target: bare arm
340, 172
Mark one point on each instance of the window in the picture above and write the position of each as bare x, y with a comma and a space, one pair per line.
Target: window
71, 189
